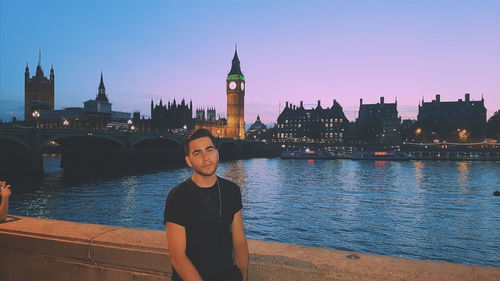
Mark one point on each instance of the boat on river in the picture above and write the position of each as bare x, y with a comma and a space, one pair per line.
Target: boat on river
306, 154
380, 155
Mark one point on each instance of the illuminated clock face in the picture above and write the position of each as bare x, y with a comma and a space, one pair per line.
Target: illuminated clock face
242, 86
232, 85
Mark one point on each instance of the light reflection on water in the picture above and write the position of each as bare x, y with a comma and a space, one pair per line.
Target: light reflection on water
429, 210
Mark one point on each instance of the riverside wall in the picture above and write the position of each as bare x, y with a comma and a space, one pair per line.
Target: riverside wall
43, 249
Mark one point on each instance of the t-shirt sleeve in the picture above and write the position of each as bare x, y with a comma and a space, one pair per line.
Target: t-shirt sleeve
175, 209
237, 199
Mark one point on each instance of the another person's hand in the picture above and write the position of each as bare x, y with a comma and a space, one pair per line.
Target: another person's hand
5, 189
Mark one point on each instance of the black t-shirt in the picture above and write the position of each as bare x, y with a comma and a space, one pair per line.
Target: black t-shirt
209, 243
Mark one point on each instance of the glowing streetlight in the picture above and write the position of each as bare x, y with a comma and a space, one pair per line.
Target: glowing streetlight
36, 115
65, 123
463, 134
129, 121
418, 131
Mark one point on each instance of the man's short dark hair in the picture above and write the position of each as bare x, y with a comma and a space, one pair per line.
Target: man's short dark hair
196, 134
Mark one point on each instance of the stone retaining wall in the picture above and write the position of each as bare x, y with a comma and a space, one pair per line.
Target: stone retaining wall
40, 249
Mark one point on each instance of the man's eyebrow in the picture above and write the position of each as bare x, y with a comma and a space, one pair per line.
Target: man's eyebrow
194, 151
208, 147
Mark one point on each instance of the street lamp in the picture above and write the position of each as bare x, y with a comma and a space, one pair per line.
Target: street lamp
65, 123
463, 134
36, 115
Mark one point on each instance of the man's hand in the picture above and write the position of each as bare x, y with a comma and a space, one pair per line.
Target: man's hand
5, 189
5, 194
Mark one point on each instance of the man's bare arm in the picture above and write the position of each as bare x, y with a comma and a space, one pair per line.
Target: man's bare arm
4, 194
176, 238
240, 246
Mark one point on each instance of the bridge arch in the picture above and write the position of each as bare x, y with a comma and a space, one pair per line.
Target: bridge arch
142, 139
16, 141
58, 139
157, 151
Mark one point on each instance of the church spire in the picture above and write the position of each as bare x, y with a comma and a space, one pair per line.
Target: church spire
235, 67
101, 92
101, 84
39, 71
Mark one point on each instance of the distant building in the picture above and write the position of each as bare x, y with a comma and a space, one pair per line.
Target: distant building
95, 114
378, 123
38, 90
234, 125
98, 110
493, 126
209, 117
258, 131
408, 128
171, 115
462, 120
316, 125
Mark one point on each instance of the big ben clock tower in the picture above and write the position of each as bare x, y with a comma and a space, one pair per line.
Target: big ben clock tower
235, 89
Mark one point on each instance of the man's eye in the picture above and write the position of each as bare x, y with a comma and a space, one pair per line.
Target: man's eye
210, 149
196, 153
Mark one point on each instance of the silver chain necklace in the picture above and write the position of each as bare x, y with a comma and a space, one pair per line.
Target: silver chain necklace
220, 197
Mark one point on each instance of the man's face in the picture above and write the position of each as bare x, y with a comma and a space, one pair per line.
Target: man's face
203, 157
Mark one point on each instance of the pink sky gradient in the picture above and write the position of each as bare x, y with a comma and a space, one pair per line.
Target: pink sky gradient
289, 51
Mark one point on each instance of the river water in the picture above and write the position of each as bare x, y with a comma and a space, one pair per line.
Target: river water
432, 210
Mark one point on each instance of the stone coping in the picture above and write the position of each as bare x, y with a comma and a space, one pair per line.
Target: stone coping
61, 249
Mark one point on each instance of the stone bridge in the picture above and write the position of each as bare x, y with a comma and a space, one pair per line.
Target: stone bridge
83, 149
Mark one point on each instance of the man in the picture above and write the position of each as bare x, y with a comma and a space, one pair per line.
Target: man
203, 219
4, 194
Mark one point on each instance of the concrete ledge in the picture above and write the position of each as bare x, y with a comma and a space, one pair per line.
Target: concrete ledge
41, 249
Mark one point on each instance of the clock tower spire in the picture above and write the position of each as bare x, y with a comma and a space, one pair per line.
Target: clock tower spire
235, 89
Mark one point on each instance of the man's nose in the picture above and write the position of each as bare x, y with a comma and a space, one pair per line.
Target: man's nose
205, 155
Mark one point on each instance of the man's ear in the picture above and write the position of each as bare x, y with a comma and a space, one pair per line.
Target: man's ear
188, 161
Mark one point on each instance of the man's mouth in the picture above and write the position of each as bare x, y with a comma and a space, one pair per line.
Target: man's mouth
207, 166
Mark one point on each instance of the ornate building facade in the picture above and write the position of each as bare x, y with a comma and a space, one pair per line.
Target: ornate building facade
172, 115
378, 123
234, 125
316, 125
462, 120
38, 90
258, 131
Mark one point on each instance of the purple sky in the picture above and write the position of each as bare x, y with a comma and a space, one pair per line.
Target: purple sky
289, 51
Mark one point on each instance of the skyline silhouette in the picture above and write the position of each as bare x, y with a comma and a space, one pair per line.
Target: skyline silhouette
300, 51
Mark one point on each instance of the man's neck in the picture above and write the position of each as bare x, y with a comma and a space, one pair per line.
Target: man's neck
204, 181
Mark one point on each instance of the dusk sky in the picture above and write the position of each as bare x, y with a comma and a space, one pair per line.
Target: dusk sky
289, 51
